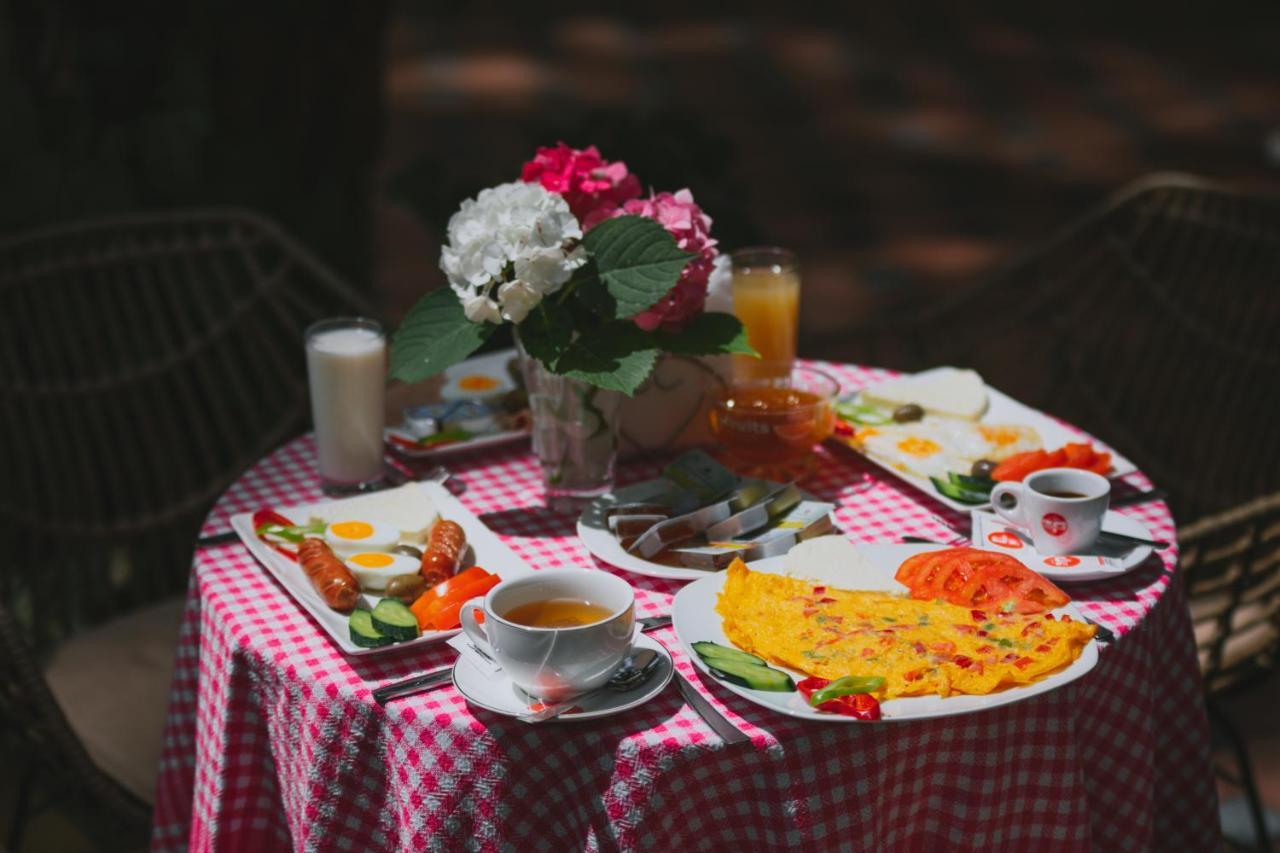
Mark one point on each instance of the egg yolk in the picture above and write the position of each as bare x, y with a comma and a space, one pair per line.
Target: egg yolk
999, 435
477, 382
373, 561
352, 529
919, 446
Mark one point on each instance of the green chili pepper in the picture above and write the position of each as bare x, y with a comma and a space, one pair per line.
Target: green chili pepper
846, 686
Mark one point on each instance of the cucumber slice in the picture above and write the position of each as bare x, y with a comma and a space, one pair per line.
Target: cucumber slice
973, 484
393, 618
751, 675
710, 652
958, 493
363, 634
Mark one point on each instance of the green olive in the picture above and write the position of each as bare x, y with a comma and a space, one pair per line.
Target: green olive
983, 468
908, 413
407, 588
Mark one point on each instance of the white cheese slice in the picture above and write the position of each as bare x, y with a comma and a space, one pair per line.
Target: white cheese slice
947, 391
406, 507
830, 560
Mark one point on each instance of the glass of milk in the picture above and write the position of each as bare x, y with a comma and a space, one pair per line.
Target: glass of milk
347, 370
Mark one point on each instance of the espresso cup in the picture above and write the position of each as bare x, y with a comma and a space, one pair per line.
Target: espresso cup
1062, 508
555, 664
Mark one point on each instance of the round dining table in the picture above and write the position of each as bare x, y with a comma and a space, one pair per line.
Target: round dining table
273, 741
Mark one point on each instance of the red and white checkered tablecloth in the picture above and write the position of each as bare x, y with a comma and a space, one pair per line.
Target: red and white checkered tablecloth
273, 741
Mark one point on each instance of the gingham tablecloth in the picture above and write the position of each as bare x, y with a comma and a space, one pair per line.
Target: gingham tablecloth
273, 741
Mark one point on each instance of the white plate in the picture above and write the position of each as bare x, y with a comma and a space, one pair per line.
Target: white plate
1088, 565
489, 551
593, 531
502, 697
1002, 409
695, 619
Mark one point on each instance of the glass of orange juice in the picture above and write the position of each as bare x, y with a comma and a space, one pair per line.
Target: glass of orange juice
766, 298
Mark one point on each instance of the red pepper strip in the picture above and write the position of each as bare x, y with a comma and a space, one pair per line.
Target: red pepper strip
270, 516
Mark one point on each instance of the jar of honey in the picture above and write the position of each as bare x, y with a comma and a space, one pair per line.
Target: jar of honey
767, 427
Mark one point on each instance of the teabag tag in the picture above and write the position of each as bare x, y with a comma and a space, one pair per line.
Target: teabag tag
995, 534
805, 520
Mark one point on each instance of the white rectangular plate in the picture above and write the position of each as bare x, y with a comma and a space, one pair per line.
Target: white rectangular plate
695, 618
489, 551
1003, 409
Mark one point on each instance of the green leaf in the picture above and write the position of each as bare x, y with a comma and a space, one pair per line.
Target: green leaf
434, 336
637, 261
547, 332
616, 356
709, 333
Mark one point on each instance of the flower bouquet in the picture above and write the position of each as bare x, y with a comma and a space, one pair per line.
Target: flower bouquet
597, 280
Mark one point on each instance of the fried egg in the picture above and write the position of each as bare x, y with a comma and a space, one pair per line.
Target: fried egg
373, 570
935, 445
349, 535
475, 385
918, 647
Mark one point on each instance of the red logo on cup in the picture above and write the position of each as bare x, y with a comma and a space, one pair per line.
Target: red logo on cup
1062, 562
1054, 524
1004, 539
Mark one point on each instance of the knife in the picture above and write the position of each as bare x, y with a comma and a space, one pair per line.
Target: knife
1125, 539
727, 731
441, 677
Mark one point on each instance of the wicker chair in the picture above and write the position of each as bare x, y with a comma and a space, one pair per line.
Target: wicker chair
1231, 567
1151, 321
144, 363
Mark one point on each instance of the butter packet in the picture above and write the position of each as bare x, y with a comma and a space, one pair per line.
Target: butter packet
805, 520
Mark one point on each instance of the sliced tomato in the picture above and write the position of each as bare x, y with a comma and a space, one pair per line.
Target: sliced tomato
914, 567
998, 583
1056, 458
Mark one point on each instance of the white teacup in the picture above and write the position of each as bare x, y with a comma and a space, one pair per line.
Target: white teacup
555, 664
1062, 508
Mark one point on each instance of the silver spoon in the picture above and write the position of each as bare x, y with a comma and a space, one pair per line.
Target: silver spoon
635, 670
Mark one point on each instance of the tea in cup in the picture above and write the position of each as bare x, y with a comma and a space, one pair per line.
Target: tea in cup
1062, 508
557, 633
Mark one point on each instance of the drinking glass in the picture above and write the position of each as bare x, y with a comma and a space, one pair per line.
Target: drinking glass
766, 298
346, 371
767, 426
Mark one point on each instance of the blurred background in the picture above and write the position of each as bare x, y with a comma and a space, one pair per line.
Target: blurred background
905, 151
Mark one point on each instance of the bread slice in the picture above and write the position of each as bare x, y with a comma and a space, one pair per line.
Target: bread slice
946, 391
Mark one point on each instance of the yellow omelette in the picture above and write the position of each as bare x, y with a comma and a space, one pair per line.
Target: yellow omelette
919, 647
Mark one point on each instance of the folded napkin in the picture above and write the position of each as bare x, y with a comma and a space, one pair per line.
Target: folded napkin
994, 533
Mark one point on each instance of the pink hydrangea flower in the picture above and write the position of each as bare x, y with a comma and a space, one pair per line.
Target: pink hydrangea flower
691, 228
592, 186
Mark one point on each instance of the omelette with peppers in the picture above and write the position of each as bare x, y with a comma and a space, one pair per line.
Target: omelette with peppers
920, 647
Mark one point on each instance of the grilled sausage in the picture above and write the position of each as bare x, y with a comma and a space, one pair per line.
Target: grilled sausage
443, 552
334, 581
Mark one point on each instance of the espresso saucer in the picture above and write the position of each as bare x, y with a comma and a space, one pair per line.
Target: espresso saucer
1097, 562
496, 692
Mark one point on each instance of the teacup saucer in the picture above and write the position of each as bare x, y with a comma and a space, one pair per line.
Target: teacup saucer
498, 694
1096, 562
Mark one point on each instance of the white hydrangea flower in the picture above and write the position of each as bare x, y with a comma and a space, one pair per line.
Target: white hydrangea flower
516, 241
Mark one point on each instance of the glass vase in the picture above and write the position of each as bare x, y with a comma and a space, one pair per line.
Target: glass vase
575, 434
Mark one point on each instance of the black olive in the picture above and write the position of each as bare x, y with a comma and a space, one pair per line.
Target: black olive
983, 468
908, 413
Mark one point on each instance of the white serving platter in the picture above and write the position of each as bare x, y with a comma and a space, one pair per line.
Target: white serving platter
402, 442
487, 548
695, 619
1001, 409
